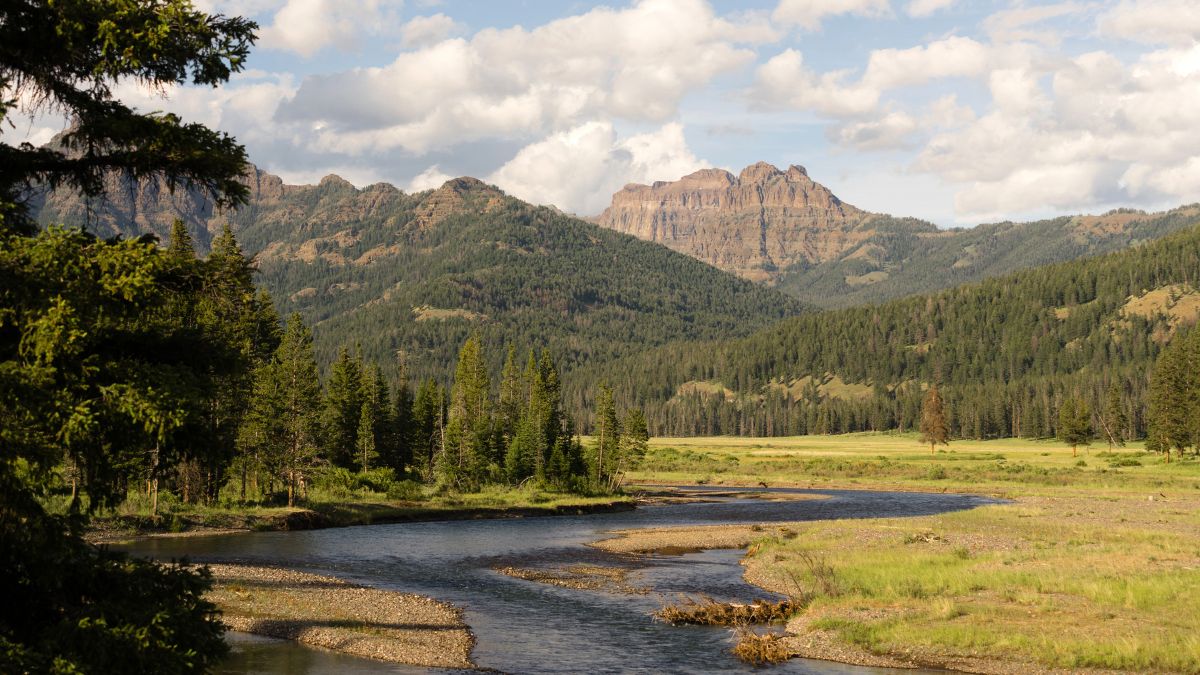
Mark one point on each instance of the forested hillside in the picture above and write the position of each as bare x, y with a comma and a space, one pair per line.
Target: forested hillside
1007, 351
905, 256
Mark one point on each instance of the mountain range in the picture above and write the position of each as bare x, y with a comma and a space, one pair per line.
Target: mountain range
783, 229
412, 275
687, 268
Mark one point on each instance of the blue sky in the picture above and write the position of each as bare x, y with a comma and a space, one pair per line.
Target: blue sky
956, 111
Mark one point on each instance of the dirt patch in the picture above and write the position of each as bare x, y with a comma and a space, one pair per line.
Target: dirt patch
334, 614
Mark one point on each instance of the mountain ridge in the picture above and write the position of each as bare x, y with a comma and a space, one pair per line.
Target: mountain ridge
784, 229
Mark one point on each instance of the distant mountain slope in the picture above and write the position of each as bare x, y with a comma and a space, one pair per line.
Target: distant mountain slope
786, 230
1007, 352
417, 273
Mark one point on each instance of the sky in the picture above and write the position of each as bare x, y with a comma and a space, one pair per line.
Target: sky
955, 111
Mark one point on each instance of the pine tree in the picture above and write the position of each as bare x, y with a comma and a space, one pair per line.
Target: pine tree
367, 443
180, 246
403, 431
514, 396
283, 421
1167, 418
1114, 419
1074, 424
343, 410
934, 429
608, 433
428, 427
635, 438
468, 451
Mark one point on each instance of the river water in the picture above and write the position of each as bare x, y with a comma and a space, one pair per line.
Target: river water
529, 627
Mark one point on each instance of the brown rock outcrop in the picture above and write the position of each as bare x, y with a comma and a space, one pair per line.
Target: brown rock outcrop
754, 225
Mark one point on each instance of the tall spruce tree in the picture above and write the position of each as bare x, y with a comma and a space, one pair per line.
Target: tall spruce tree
933, 426
1167, 417
468, 446
283, 423
635, 437
428, 427
608, 434
1074, 424
403, 434
1114, 420
342, 413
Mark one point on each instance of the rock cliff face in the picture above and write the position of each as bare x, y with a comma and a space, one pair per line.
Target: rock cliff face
756, 224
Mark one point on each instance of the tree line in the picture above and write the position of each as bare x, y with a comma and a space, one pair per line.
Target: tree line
1008, 352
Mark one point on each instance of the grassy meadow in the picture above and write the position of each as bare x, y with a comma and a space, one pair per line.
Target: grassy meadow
1095, 563
875, 460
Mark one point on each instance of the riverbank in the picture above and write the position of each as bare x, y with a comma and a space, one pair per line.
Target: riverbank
321, 515
333, 614
1078, 581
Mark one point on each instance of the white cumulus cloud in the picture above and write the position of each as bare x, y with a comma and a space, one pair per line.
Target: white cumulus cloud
1172, 22
422, 31
308, 26
636, 63
579, 169
808, 14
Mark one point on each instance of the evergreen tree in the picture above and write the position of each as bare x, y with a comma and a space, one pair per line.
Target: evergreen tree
1114, 420
608, 434
1074, 424
468, 451
404, 434
343, 410
933, 426
1167, 418
284, 418
94, 363
428, 427
514, 396
635, 437
369, 424
180, 245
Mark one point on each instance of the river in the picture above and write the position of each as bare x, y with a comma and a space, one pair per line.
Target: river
529, 627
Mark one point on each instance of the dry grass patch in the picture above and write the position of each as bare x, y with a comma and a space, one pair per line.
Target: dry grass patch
709, 612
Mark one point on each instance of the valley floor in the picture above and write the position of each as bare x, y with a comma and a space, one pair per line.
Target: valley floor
1094, 565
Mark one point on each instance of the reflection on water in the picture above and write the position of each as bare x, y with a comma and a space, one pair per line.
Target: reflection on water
527, 627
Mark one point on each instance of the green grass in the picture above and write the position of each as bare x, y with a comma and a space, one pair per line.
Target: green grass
1062, 583
1009, 466
1095, 565
339, 507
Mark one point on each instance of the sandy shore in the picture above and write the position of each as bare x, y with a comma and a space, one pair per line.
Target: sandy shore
330, 613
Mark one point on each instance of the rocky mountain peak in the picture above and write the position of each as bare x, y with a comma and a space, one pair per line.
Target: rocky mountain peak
755, 225
334, 181
759, 172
